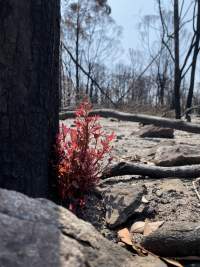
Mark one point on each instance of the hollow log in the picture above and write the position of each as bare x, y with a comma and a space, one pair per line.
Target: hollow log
174, 239
125, 168
146, 119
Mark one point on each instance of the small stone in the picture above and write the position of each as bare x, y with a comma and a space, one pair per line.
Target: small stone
144, 200
159, 193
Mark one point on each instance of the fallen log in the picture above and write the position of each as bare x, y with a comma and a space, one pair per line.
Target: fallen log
125, 168
174, 239
189, 110
146, 119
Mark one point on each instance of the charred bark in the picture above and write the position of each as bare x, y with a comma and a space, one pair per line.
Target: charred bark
29, 92
125, 168
174, 239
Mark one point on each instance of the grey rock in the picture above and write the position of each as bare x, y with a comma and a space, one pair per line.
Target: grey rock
152, 262
177, 155
159, 193
152, 131
121, 201
38, 233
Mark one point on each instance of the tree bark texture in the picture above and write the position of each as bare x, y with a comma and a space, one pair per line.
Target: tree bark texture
146, 119
29, 92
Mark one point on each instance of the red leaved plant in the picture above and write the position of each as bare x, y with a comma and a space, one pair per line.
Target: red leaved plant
82, 152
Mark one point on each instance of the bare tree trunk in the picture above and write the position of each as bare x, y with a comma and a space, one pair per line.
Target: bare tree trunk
61, 80
29, 92
77, 58
194, 62
88, 79
177, 72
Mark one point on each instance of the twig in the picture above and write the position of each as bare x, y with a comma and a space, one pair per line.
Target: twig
89, 76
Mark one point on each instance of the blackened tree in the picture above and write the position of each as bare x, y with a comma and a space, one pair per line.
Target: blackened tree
29, 98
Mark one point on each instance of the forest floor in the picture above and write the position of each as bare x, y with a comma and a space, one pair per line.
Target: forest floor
169, 199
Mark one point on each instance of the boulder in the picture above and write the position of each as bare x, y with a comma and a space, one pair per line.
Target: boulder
177, 155
121, 201
152, 131
37, 233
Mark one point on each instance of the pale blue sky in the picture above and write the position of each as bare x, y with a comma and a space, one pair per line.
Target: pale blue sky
127, 14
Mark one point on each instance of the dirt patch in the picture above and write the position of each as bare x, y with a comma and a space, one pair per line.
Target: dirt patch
165, 199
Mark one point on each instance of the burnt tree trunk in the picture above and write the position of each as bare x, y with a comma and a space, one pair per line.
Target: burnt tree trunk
77, 57
29, 92
194, 62
177, 72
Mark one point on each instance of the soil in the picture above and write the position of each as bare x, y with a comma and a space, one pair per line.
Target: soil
170, 199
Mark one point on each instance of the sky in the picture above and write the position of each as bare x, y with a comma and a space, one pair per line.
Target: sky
127, 13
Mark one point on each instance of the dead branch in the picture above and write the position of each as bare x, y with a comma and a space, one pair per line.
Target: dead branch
188, 110
146, 119
125, 168
88, 75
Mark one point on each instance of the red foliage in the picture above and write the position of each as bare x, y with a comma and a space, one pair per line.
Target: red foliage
82, 152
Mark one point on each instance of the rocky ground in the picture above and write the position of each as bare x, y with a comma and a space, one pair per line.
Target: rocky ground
141, 217
119, 202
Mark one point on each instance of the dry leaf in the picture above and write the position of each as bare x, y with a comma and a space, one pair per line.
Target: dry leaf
150, 227
138, 227
144, 200
172, 262
124, 236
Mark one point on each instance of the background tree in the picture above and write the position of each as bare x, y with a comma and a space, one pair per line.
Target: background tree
89, 34
29, 86
196, 29
181, 54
